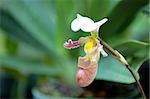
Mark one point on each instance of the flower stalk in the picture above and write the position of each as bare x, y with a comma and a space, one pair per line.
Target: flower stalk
119, 57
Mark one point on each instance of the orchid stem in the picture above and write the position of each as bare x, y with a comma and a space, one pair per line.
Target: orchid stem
118, 57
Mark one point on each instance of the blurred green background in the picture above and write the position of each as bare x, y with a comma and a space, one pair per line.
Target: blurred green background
32, 33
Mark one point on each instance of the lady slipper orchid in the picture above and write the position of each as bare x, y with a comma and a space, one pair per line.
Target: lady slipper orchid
88, 64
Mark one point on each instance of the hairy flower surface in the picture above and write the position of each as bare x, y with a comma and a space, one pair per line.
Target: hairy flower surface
88, 64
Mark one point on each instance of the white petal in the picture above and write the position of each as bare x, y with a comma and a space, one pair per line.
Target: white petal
75, 25
100, 23
104, 53
100, 48
79, 16
86, 24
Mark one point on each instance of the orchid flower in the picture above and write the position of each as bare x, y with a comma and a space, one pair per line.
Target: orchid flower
88, 64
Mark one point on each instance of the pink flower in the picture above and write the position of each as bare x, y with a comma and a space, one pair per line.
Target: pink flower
87, 65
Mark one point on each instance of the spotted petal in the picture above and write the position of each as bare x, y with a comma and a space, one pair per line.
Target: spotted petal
71, 44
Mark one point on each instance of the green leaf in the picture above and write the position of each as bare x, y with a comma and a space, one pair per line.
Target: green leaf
14, 29
130, 47
98, 9
139, 58
28, 14
2, 43
64, 15
121, 16
146, 10
136, 52
27, 67
111, 69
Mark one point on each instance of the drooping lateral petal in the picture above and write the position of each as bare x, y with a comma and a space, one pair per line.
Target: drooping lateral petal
71, 44
74, 44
